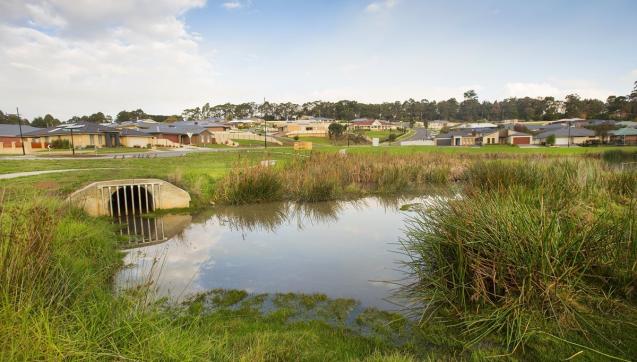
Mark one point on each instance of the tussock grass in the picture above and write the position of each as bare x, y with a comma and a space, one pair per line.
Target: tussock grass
532, 247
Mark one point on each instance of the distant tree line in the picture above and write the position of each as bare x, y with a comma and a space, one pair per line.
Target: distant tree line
470, 108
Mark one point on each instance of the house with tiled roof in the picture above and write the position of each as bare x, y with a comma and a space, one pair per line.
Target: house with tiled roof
567, 136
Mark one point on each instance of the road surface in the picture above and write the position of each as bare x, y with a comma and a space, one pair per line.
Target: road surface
421, 134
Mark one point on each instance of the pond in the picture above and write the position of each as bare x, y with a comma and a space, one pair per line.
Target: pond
344, 249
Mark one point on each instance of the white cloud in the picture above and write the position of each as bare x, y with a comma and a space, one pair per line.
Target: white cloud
76, 57
378, 6
231, 5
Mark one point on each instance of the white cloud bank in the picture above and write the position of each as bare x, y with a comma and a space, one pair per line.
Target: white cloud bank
69, 57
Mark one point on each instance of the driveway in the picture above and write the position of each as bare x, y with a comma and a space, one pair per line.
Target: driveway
421, 134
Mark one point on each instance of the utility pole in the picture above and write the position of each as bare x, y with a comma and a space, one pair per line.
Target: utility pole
569, 135
72, 143
20, 127
265, 125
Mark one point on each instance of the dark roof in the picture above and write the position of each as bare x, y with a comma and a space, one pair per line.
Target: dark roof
564, 132
539, 127
131, 132
171, 129
78, 128
600, 122
13, 130
458, 133
204, 123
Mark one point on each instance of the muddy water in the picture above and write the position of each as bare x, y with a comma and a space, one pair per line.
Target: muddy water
346, 249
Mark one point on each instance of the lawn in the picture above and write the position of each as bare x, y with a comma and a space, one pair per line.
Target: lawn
379, 134
320, 141
195, 172
98, 151
254, 143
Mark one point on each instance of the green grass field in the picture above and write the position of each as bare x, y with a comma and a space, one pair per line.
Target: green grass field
254, 143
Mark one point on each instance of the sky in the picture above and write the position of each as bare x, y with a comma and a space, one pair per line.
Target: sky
77, 57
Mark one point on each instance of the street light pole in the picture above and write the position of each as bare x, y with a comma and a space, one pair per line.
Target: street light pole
569, 135
20, 127
72, 143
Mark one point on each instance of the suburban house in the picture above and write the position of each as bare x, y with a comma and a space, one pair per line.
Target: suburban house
210, 125
305, 128
481, 137
463, 137
134, 138
371, 124
565, 136
437, 125
624, 136
10, 141
169, 135
81, 135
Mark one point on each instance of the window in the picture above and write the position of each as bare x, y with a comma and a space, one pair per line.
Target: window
92, 140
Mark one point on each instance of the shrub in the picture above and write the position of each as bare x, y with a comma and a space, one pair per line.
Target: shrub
550, 140
60, 144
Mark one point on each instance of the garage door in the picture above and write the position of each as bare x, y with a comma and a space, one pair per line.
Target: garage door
521, 140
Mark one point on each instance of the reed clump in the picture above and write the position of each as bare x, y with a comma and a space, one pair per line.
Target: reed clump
530, 247
326, 176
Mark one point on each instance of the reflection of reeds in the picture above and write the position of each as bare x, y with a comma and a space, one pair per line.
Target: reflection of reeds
266, 217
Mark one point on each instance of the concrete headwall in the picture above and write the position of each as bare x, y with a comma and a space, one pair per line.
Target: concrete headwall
95, 198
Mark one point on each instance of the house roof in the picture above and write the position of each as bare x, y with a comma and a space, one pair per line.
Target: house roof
627, 124
600, 122
78, 128
624, 132
127, 132
457, 133
13, 130
368, 122
204, 123
478, 125
564, 132
170, 129
543, 127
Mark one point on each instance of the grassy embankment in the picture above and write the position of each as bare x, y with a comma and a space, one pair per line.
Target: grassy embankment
56, 265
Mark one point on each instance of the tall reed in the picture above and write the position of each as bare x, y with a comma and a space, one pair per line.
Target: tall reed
325, 176
528, 244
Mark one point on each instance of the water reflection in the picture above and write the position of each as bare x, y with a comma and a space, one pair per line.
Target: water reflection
342, 249
140, 231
